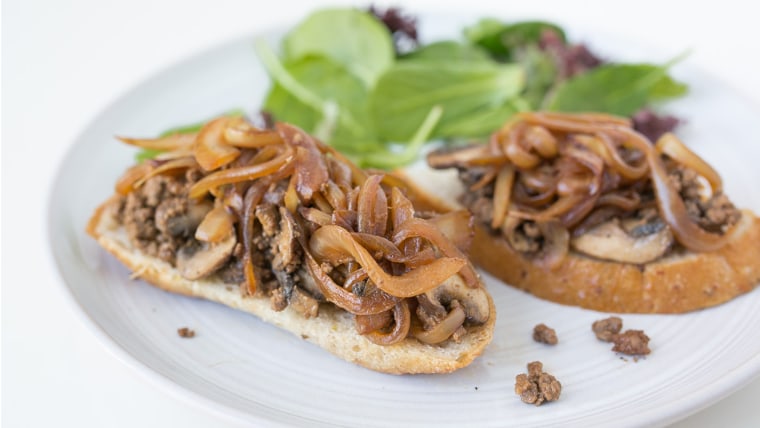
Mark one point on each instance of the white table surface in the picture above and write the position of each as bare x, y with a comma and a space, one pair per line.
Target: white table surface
65, 61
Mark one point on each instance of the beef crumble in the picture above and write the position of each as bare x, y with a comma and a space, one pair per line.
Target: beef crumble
161, 220
185, 333
536, 386
152, 215
544, 334
606, 329
631, 342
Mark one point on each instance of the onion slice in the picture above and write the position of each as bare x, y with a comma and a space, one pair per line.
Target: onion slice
169, 142
211, 150
502, 194
673, 210
372, 209
375, 302
419, 228
234, 175
671, 146
240, 133
127, 182
402, 321
217, 225
335, 245
181, 163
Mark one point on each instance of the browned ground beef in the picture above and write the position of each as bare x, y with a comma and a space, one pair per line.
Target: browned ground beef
544, 334
153, 216
632, 342
607, 329
536, 386
716, 214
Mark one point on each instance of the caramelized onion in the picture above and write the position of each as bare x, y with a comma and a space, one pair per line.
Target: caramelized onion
671, 146
486, 179
372, 209
443, 330
627, 200
557, 209
578, 122
456, 226
358, 176
315, 216
355, 277
335, 196
234, 175
401, 208
211, 151
522, 197
369, 323
336, 245
174, 164
402, 321
502, 193
240, 133
379, 246
541, 141
127, 182
673, 210
311, 170
345, 219
631, 172
517, 154
169, 142
469, 156
374, 302
216, 226
415, 259
252, 198
418, 228
538, 180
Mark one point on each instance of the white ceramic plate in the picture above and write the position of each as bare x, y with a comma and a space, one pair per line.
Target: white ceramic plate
245, 369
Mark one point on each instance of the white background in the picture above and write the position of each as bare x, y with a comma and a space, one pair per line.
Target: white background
62, 62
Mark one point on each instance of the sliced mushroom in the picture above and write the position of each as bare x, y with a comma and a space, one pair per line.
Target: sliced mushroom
195, 262
308, 284
473, 300
611, 241
285, 241
444, 329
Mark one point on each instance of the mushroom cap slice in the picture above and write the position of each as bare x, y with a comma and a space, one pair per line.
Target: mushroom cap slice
196, 262
473, 300
609, 241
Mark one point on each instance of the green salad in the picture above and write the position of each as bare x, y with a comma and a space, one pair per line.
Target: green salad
361, 81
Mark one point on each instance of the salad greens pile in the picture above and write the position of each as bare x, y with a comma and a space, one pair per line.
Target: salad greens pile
340, 76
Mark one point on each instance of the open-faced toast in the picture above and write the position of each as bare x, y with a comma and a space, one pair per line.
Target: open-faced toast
276, 224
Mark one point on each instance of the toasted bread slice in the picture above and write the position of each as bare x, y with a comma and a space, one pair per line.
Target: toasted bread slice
333, 329
680, 282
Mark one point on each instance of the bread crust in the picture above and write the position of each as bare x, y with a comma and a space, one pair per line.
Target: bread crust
682, 281
332, 330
